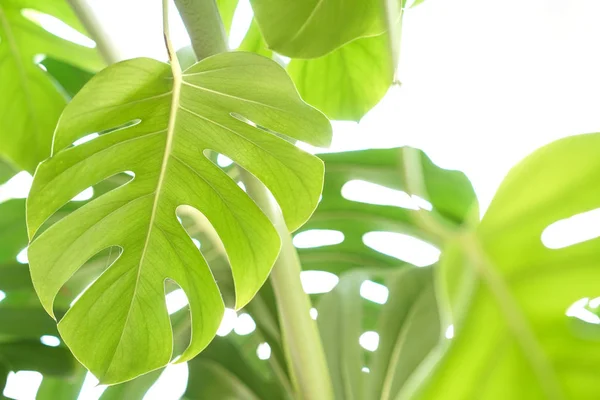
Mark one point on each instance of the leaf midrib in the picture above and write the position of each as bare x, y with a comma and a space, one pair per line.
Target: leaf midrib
177, 79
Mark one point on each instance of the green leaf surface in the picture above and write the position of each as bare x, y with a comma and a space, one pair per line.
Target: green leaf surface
13, 231
158, 126
32, 355
313, 28
222, 372
450, 193
340, 325
508, 293
408, 328
346, 83
30, 102
6, 172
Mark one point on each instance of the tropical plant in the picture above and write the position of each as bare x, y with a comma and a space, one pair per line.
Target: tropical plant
189, 178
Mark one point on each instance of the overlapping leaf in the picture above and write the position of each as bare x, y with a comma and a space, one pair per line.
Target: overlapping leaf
509, 293
30, 102
309, 29
346, 83
158, 126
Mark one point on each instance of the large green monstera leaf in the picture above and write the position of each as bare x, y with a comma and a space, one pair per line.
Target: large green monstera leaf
159, 126
449, 192
515, 295
313, 28
30, 102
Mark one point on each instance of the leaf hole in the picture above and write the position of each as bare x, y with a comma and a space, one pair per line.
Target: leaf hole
403, 247
315, 282
85, 138
57, 27
84, 278
371, 193
573, 230
369, 340
245, 120
207, 241
375, 292
17, 187
23, 384
180, 316
584, 318
317, 238
87, 195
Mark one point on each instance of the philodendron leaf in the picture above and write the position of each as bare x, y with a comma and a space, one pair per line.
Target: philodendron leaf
159, 126
451, 195
516, 296
313, 28
30, 102
407, 325
346, 83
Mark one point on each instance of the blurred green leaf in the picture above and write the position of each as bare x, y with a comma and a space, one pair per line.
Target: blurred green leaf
309, 29
30, 103
408, 328
450, 193
13, 231
346, 83
6, 172
154, 134
221, 372
340, 325
70, 78
508, 293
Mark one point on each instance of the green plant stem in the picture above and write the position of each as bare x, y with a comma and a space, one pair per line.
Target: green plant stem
302, 343
108, 52
301, 339
206, 32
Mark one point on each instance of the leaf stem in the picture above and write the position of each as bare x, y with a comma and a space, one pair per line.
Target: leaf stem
93, 27
206, 32
301, 339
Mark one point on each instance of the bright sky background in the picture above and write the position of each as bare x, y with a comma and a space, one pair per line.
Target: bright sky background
484, 84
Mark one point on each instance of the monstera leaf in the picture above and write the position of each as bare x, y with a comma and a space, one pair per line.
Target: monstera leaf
158, 125
309, 29
508, 293
30, 102
408, 327
450, 194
